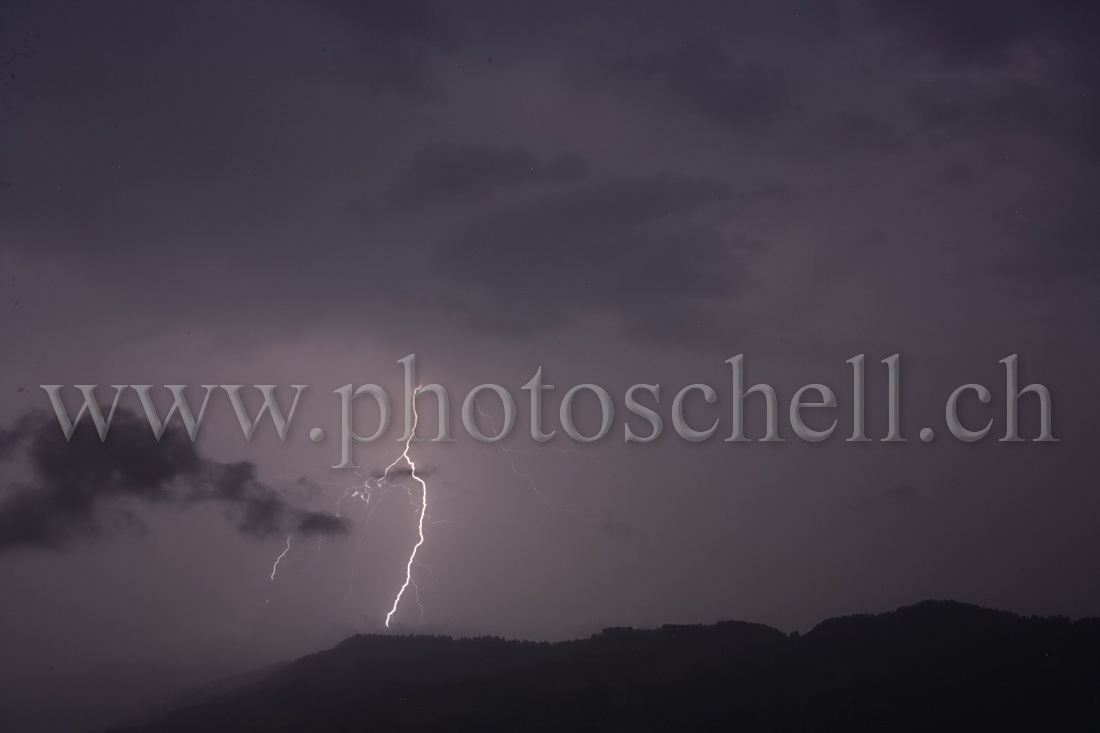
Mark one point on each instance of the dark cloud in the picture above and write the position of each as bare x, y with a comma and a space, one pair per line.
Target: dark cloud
963, 33
81, 488
1016, 127
320, 523
1040, 61
205, 107
1009, 108
392, 44
441, 172
992, 32
1019, 88
701, 76
854, 131
10, 437
640, 249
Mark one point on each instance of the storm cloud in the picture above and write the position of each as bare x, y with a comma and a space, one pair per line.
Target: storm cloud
78, 489
441, 173
703, 77
1018, 84
640, 249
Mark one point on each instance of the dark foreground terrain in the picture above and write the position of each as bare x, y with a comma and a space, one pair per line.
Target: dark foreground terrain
930, 667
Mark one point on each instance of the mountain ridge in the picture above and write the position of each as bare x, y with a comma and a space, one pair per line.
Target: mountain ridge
936, 664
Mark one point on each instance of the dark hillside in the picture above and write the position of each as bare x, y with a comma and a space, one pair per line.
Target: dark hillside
932, 666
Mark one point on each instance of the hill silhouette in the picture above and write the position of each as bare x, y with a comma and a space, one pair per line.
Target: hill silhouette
936, 665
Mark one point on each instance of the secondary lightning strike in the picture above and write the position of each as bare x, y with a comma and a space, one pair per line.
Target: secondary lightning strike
420, 519
416, 597
530, 481
364, 521
317, 551
279, 559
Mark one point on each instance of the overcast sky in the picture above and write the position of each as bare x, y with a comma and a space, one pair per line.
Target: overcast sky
619, 192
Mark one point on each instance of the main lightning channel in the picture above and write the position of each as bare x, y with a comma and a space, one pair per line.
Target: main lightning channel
420, 519
279, 559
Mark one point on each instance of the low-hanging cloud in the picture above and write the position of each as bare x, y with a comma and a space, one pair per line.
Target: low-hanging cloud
76, 487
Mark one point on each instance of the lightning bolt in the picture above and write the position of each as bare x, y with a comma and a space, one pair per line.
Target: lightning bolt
526, 477
420, 518
279, 559
372, 489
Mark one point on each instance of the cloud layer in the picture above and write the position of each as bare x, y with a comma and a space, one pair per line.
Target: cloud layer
86, 488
